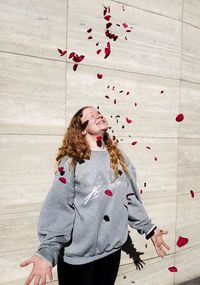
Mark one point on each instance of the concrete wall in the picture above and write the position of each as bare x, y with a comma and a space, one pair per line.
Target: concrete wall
40, 92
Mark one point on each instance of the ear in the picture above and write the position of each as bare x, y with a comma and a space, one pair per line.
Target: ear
84, 133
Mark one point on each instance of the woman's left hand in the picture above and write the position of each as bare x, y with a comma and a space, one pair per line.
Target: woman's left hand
158, 242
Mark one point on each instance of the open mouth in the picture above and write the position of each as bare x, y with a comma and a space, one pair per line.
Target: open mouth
101, 122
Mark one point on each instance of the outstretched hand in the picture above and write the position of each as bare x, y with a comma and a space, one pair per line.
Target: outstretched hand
41, 268
158, 242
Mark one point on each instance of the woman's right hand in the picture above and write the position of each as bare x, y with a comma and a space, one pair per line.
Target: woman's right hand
41, 268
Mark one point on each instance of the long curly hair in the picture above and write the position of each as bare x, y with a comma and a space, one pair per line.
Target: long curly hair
75, 146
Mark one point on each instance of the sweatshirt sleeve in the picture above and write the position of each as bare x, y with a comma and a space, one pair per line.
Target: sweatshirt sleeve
57, 215
137, 215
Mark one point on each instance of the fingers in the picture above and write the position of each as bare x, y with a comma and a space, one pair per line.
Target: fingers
165, 245
50, 275
37, 280
29, 279
26, 262
43, 280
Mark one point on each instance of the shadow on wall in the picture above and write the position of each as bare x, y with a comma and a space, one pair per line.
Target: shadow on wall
129, 248
195, 281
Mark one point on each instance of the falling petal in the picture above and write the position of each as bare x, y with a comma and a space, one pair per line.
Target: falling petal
72, 54
120, 91
180, 117
89, 30
155, 158
126, 38
148, 147
77, 58
108, 25
97, 43
98, 51
127, 93
128, 31
172, 269
99, 138
107, 18
145, 184
161, 91
90, 37
181, 241
123, 127
106, 96
192, 193
108, 86
62, 52
123, 8
99, 75
113, 88
115, 101
60, 169
63, 180
128, 120
134, 142
135, 104
106, 218
108, 192
141, 191
124, 25
75, 66
118, 25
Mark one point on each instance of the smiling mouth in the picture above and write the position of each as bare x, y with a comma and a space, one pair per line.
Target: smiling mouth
101, 122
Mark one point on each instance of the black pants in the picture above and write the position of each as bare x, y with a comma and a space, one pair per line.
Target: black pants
99, 272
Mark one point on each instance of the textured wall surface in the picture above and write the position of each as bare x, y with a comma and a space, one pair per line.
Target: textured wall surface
40, 91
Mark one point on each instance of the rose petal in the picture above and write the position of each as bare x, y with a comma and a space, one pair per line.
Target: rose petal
106, 96
75, 66
99, 75
108, 25
172, 269
62, 52
61, 169
155, 158
161, 91
192, 193
180, 117
128, 120
126, 38
90, 37
97, 43
127, 93
98, 51
63, 180
108, 192
128, 31
89, 30
134, 142
99, 138
124, 25
148, 147
107, 18
115, 101
135, 104
181, 241
72, 54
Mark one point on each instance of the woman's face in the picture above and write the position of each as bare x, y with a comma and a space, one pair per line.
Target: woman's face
93, 122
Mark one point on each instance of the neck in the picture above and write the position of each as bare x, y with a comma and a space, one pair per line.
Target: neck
92, 141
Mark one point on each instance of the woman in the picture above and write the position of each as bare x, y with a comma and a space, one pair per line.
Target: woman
85, 216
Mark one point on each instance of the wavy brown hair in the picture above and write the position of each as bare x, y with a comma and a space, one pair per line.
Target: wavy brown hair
75, 146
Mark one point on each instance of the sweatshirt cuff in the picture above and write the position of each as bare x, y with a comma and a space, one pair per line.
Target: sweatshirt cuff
50, 255
151, 232
43, 258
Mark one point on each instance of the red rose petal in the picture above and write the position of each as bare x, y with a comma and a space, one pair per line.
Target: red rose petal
75, 66
63, 180
72, 54
121, 91
99, 75
97, 43
108, 192
134, 142
90, 37
192, 193
128, 31
128, 120
108, 25
181, 241
172, 269
62, 52
148, 147
77, 58
98, 51
107, 18
99, 138
155, 158
115, 101
161, 91
89, 30
180, 117
127, 93
106, 96
135, 104
60, 169
124, 25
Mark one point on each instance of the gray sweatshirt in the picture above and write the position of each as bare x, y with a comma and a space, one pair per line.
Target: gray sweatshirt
88, 212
